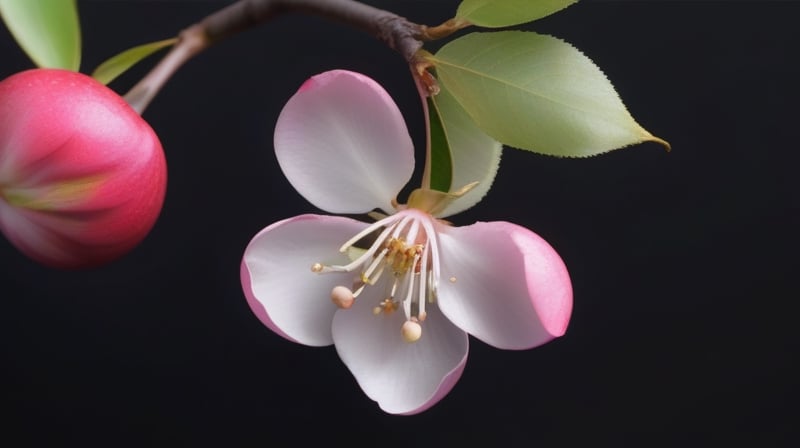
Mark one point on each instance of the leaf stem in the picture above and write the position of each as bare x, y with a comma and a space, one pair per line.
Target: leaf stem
426, 86
443, 30
398, 33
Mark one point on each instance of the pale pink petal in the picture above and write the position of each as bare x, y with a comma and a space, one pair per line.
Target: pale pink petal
342, 143
404, 378
277, 279
503, 284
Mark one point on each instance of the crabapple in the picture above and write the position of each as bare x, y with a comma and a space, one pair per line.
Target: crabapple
82, 175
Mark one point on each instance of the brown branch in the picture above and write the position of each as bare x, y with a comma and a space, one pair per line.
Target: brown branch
398, 33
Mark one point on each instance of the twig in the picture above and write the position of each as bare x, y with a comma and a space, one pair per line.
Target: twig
398, 33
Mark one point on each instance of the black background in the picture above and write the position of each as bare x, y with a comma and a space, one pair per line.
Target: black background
684, 264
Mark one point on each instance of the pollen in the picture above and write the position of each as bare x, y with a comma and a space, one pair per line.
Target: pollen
387, 306
401, 256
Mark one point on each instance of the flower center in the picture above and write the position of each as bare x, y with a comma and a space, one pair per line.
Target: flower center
405, 251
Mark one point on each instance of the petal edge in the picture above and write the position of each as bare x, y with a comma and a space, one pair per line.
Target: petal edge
511, 288
343, 144
278, 282
403, 378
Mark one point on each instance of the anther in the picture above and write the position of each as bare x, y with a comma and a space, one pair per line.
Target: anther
316, 267
387, 306
411, 331
342, 297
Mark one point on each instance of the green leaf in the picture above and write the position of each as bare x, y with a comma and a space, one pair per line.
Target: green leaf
47, 30
474, 155
498, 13
118, 64
441, 164
537, 93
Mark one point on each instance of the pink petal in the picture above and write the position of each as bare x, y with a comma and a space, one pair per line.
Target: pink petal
277, 279
404, 378
342, 143
503, 284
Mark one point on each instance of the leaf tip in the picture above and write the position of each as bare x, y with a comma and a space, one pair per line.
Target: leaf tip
660, 141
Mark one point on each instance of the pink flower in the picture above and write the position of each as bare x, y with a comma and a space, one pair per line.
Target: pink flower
399, 307
82, 176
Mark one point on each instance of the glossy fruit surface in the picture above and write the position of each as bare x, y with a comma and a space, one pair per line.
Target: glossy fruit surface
82, 175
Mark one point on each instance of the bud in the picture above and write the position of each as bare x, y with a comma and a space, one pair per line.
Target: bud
82, 175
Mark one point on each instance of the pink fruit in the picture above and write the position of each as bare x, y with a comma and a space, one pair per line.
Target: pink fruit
82, 175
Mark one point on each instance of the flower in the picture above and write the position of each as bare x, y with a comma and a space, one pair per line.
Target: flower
397, 297
82, 175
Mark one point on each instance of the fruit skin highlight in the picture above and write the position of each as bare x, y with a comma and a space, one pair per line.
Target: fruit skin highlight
82, 175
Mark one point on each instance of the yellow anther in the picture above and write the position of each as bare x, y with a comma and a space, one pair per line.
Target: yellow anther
388, 306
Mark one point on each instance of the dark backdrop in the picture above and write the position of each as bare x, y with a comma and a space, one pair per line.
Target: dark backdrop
684, 264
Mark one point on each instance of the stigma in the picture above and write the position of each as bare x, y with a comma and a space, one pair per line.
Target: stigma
403, 262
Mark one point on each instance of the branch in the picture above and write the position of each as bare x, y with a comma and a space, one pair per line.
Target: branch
398, 33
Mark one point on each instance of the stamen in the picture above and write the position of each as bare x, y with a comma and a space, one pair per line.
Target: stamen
399, 227
410, 290
342, 297
411, 331
408, 247
430, 232
374, 226
358, 262
424, 283
431, 288
377, 276
411, 236
394, 288
365, 275
359, 287
387, 306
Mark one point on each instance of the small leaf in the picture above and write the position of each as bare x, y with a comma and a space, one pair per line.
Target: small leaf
537, 93
441, 159
498, 13
120, 63
475, 156
47, 30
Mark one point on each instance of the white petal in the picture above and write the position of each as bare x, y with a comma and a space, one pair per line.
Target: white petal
342, 143
476, 156
503, 284
404, 378
277, 279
